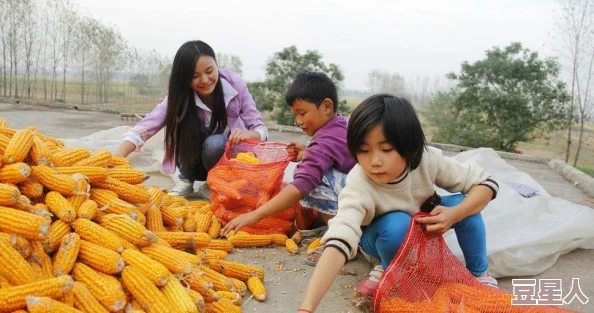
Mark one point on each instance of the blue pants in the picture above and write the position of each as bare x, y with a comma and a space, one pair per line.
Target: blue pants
383, 237
212, 150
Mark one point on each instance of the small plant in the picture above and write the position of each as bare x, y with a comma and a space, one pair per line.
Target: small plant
60, 101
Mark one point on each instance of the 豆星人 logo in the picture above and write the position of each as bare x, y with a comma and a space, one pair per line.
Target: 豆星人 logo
549, 292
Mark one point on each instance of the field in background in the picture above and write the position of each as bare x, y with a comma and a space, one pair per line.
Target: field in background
551, 147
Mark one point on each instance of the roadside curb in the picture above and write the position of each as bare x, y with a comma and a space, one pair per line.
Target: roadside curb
576, 177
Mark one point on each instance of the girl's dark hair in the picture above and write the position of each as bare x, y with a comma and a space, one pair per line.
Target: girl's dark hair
399, 121
183, 133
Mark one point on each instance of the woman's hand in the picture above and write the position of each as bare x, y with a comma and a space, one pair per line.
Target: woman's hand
441, 219
238, 135
299, 148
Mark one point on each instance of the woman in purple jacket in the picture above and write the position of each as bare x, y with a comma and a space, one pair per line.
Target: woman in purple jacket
205, 107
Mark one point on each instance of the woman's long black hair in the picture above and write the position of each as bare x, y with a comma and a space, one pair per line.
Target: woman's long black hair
183, 133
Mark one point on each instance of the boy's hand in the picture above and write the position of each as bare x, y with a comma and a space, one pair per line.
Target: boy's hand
239, 222
299, 148
441, 219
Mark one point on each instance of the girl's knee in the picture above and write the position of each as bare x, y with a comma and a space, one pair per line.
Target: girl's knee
213, 149
394, 226
472, 221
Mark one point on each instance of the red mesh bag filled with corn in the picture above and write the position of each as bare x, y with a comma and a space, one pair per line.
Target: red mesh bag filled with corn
248, 175
426, 277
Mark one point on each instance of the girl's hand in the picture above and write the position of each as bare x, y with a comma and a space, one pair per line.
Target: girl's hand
299, 148
441, 219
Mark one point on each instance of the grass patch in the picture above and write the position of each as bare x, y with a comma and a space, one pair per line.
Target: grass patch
586, 169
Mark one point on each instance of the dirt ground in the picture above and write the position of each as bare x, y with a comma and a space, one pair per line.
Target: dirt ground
287, 275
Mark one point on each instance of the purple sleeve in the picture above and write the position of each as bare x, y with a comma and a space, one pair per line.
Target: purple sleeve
247, 111
317, 160
154, 121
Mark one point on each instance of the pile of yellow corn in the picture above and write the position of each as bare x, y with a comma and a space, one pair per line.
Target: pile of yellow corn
80, 233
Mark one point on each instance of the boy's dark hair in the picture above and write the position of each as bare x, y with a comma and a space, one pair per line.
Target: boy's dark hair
312, 87
399, 121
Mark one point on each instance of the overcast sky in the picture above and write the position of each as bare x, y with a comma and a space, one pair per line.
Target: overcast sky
422, 37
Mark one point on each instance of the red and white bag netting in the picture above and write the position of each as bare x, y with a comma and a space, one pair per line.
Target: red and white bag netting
426, 277
248, 175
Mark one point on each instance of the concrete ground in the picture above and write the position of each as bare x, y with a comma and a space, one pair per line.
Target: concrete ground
287, 275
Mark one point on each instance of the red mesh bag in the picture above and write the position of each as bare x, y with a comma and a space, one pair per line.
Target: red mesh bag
426, 277
247, 176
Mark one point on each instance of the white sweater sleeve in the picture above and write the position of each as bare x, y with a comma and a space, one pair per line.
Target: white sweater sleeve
454, 176
355, 205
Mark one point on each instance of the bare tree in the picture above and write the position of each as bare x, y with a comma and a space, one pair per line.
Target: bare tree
575, 25
30, 40
230, 62
382, 81
68, 17
584, 82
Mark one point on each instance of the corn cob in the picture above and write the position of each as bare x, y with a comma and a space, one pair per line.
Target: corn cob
77, 200
216, 307
100, 258
145, 292
14, 267
128, 175
177, 295
155, 199
13, 298
223, 188
125, 191
108, 201
69, 157
197, 283
55, 181
240, 286
209, 255
14, 173
154, 270
256, 287
104, 289
154, 220
174, 215
40, 152
127, 228
30, 226
68, 298
203, 210
233, 296
18, 147
41, 210
220, 281
84, 299
169, 200
168, 257
82, 184
87, 209
218, 244
128, 245
20, 244
8, 132
118, 161
97, 234
291, 246
198, 300
189, 224
100, 158
57, 230
251, 240
93, 173
278, 239
3, 123
9, 194
24, 204
203, 222
240, 271
39, 257
45, 304
31, 188
59, 206
65, 258
183, 241
316, 243
214, 231
246, 158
